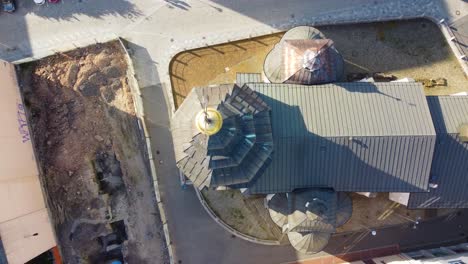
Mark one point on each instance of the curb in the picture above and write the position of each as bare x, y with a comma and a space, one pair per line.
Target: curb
230, 229
139, 110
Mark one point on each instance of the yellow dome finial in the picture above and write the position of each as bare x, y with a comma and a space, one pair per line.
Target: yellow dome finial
209, 121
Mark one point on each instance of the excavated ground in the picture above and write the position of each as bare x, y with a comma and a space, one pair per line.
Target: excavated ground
92, 157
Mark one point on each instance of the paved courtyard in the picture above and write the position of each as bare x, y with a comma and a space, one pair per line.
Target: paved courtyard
156, 31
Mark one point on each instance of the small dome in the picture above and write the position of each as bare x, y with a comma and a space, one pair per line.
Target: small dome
209, 121
309, 243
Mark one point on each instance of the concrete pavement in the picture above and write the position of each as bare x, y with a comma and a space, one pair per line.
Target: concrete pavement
156, 31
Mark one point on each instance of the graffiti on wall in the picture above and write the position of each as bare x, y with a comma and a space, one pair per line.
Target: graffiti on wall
22, 123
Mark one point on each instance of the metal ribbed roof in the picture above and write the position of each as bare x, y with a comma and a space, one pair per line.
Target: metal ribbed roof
243, 78
369, 137
278, 209
347, 109
450, 163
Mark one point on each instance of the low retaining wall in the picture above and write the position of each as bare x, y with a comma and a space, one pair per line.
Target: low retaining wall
453, 43
139, 110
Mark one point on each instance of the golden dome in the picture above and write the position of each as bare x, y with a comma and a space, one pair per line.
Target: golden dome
209, 121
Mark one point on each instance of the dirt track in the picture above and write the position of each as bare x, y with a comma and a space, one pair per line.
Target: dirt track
92, 157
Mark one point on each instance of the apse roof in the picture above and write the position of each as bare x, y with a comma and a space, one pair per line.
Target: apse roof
237, 153
369, 137
309, 243
304, 56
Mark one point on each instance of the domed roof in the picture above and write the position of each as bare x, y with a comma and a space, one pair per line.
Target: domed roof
209, 121
309, 243
304, 56
278, 208
313, 210
233, 146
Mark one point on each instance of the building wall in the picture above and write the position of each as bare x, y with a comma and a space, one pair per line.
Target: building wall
456, 254
25, 227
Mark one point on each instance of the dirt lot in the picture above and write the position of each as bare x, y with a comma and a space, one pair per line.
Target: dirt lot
92, 158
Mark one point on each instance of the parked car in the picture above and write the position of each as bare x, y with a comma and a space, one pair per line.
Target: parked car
8, 6
39, 2
54, 1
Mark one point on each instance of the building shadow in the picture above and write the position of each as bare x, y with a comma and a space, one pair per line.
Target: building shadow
449, 167
304, 159
15, 40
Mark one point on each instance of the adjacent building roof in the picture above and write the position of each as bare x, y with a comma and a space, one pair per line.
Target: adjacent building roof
450, 164
304, 56
348, 136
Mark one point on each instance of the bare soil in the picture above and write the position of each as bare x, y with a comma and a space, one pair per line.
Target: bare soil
92, 157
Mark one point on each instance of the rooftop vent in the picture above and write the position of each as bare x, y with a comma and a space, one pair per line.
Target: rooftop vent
463, 133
